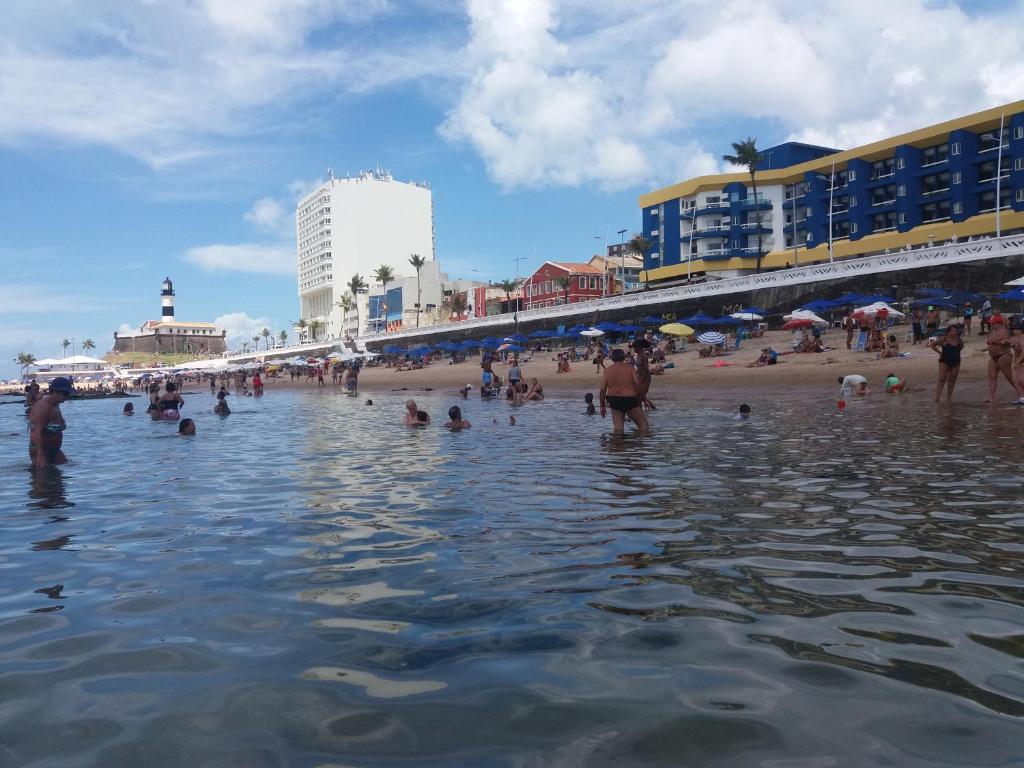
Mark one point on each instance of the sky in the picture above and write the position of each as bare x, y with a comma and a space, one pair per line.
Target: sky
148, 138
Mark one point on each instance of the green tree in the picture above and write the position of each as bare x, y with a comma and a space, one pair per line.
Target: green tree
265, 333
564, 283
458, 304
25, 359
301, 324
314, 328
508, 286
640, 245
283, 336
746, 154
88, 344
384, 275
345, 305
65, 343
356, 286
417, 262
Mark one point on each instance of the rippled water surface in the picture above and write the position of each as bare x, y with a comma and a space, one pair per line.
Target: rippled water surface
305, 583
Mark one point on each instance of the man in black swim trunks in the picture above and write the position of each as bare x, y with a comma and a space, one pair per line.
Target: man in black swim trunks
620, 390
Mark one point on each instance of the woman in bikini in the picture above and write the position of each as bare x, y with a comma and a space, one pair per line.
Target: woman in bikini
949, 347
46, 425
1000, 360
1017, 354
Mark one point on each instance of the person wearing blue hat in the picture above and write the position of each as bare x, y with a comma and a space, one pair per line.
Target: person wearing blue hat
47, 425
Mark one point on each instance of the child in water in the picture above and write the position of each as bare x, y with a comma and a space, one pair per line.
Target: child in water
589, 400
129, 409
893, 385
221, 408
744, 412
186, 428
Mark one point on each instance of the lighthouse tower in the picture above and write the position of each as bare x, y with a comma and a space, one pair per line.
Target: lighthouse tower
167, 300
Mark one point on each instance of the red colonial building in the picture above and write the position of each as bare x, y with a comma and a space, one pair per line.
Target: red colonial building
542, 288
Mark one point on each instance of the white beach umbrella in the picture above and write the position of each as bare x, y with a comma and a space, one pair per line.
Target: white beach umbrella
805, 314
592, 333
879, 306
1018, 281
748, 316
711, 337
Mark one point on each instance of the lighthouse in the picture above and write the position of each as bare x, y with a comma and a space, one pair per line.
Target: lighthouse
167, 300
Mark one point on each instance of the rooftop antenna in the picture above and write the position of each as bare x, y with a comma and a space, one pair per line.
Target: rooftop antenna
330, 173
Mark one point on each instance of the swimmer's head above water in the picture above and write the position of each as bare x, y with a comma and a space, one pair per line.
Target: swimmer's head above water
186, 427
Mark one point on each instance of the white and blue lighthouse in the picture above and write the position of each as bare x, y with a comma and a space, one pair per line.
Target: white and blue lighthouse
167, 300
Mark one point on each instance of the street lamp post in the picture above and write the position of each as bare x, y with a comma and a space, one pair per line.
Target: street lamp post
622, 259
689, 245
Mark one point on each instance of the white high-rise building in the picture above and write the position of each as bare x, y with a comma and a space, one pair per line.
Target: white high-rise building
352, 226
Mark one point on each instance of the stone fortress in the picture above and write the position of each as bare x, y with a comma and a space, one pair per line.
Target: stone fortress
169, 335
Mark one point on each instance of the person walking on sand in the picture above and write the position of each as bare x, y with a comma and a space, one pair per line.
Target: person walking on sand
848, 325
620, 387
949, 346
47, 425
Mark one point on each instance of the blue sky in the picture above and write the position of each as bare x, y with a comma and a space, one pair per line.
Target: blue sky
137, 138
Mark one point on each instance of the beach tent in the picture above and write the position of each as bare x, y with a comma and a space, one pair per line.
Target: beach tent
819, 305
393, 349
754, 311
542, 334
699, 319
803, 314
877, 299
608, 327
747, 316
877, 308
849, 298
797, 323
1014, 295
1018, 281
729, 320
651, 320
630, 328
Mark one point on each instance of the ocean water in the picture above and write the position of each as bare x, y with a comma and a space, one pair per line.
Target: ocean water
306, 583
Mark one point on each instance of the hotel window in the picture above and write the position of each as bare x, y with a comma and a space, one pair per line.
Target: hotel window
958, 207
901, 162
853, 228
583, 282
1020, 195
903, 218
853, 201
937, 154
954, 148
851, 175
955, 179
1018, 132
1018, 164
901, 190
882, 222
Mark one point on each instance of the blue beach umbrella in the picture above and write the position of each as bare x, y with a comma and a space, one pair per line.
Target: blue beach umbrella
753, 311
728, 321
879, 297
652, 320
819, 305
630, 328
850, 298
1014, 295
699, 319
542, 334
608, 326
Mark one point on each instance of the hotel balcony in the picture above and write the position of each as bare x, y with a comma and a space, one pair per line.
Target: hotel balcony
761, 204
708, 208
716, 231
753, 226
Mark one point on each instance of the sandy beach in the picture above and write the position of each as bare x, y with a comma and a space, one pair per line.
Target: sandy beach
693, 376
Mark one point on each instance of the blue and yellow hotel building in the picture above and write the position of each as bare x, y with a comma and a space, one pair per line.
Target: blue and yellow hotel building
927, 186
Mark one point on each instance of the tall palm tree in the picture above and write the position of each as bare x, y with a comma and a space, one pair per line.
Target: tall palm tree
417, 262
345, 305
508, 286
314, 328
301, 324
283, 336
640, 245
356, 286
265, 333
65, 343
256, 343
564, 283
25, 359
384, 275
746, 154
88, 344
458, 304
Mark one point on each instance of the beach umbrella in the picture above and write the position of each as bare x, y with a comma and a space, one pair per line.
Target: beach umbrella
630, 328
699, 319
651, 320
592, 333
932, 292
510, 348
878, 308
728, 320
1014, 295
711, 337
802, 314
847, 299
819, 305
1018, 281
755, 311
393, 349
878, 299
933, 302
515, 337
677, 329
542, 334
797, 323
747, 316
608, 326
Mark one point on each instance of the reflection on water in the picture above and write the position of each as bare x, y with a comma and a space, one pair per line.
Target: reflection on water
306, 583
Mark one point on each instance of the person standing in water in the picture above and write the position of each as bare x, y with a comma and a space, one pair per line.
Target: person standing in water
412, 417
620, 388
949, 346
47, 425
170, 404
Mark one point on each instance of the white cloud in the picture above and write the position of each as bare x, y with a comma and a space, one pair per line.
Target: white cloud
568, 92
243, 257
240, 326
267, 214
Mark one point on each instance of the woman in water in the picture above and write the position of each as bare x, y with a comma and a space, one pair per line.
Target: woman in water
154, 398
949, 346
455, 420
536, 391
221, 408
1000, 359
412, 415
129, 409
170, 404
46, 425
186, 428
1017, 355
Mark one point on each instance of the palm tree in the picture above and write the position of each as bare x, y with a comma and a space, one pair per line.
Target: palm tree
747, 156
256, 343
65, 343
345, 305
25, 359
417, 262
265, 333
564, 282
640, 245
314, 328
356, 286
245, 347
301, 324
508, 286
384, 275
283, 336
458, 304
